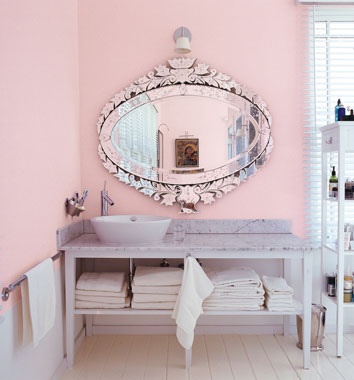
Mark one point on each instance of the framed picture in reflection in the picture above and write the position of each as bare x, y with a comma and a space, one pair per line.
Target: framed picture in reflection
187, 153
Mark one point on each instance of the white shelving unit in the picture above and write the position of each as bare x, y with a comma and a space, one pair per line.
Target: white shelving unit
338, 151
273, 246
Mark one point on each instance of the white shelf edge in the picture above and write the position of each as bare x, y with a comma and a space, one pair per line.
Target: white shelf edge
334, 300
130, 311
330, 248
333, 249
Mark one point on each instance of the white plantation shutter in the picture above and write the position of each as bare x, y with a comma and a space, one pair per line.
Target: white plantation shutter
329, 76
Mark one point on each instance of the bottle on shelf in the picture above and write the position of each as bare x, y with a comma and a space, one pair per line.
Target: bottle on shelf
336, 109
348, 283
349, 188
341, 112
331, 284
348, 289
347, 235
333, 184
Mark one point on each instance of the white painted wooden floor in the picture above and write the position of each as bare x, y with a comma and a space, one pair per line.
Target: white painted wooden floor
216, 357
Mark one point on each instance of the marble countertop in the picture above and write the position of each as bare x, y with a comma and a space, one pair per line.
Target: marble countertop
200, 242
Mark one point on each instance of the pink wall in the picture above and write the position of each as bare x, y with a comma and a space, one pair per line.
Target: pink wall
44, 158
255, 41
39, 155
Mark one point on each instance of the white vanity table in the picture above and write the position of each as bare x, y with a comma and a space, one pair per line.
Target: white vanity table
283, 246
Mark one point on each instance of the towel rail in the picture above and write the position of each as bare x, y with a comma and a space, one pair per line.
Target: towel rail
5, 293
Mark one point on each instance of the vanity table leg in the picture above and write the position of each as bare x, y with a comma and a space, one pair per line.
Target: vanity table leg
89, 324
131, 270
70, 305
188, 358
287, 276
307, 306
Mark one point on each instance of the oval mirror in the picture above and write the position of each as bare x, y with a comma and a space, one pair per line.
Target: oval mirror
184, 133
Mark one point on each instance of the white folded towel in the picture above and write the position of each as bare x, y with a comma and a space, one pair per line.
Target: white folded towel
105, 281
233, 307
239, 291
234, 276
276, 285
279, 296
153, 305
279, 302
195, 287
138, 297
214, 296
157, 276
172, 289
96, 293
38, 302
281, 307
112, 300
222, 303
102, 305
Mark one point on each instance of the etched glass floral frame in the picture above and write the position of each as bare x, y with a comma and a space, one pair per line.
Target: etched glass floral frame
184, 77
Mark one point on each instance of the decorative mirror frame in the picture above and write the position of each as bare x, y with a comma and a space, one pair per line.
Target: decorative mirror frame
185, 71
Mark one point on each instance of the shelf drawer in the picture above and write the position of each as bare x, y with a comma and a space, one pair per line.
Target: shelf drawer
330, 140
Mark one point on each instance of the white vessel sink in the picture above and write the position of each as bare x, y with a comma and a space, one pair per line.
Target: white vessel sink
130, 229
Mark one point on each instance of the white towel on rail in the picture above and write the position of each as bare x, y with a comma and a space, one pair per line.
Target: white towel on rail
195, 287
38, 302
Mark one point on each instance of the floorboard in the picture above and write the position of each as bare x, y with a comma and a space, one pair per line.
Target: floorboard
214, 357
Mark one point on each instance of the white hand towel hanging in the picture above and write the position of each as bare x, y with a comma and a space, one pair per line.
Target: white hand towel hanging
195, 287
38, 302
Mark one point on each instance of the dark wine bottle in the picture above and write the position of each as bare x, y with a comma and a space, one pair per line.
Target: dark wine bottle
333, 183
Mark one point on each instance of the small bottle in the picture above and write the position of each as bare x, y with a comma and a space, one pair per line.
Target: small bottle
331, 284
341, 112
336, 108
333, 184
351, 116
348, 289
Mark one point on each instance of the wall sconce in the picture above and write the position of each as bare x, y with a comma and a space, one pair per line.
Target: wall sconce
182, 37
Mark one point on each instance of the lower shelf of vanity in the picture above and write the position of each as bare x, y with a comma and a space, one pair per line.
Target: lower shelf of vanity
334, 300
130, 311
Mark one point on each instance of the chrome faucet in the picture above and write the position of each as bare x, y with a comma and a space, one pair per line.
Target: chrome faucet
105, 201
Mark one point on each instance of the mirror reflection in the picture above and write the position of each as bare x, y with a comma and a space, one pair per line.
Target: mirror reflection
186, 134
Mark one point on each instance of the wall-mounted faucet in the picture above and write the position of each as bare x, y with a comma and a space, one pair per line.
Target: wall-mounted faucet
75, 205
105, 201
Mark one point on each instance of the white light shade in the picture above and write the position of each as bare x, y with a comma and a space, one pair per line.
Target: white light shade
182, 37
183, 45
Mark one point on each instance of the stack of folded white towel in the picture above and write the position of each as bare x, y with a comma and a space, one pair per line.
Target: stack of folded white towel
102, 290
156, 287
236, 288
279, 295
